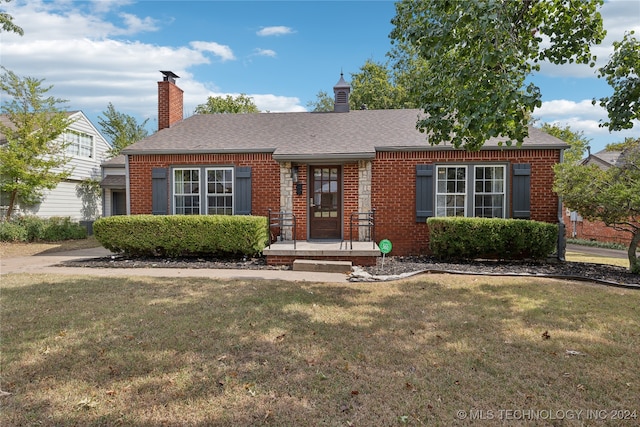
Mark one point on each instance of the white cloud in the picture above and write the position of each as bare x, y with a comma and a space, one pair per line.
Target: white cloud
265, 52
581, 116
274, 31
223, 51
136, 25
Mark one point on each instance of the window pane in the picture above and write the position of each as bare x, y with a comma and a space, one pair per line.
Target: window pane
220, 191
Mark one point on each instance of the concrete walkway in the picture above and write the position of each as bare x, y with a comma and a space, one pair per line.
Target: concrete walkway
46, 264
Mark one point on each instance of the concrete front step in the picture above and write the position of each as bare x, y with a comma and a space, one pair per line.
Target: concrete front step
323, 266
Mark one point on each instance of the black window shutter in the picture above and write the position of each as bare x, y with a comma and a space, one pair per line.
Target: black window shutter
243, 191
424, 192
521, 191
159, 191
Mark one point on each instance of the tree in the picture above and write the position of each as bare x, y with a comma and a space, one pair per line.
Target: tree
611, 196
6, 22
218, 104
373, 87
32, 158
480, 53
575, 139
623, 75
122, 129
323, 103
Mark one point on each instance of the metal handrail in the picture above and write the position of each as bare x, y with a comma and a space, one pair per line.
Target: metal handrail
280, 220
366, 220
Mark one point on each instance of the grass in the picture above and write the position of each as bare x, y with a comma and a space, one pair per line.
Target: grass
80, 350
28, 249
596, 259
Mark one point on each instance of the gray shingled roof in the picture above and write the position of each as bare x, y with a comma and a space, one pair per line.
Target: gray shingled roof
357, 134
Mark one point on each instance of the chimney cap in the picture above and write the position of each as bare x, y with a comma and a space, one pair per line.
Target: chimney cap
170, 76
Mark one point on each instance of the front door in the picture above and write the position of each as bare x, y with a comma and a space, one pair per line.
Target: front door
325, 203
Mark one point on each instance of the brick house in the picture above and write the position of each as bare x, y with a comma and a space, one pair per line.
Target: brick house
580, 228
336, 172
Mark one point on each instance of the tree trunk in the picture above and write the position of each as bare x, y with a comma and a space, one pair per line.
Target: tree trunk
12, 204
634, 261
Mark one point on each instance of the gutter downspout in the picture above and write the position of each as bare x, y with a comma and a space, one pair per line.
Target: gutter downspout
562, 240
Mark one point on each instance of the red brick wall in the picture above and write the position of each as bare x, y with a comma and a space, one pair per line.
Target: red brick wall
594, 230
170, 104
394, 188
265, 177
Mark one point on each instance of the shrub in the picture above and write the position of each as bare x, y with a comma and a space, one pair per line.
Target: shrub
180, 235
34, 229
491, 238
12, 232
62, 228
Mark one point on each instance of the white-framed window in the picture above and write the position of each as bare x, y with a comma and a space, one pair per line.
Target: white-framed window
79, 144
489, 191
482, 194
186, 191
219, 191
451, 191
203, 191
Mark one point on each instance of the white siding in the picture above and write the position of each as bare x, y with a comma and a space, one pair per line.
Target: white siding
64, 200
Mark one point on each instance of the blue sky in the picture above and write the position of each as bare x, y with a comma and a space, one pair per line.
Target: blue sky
281, 53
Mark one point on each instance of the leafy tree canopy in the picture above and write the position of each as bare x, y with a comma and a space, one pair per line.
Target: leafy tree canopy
228, 104
323, 103
611, 196
575, 139
6, 22
623, 75
33, 155
121, 129
478, 55
374, 87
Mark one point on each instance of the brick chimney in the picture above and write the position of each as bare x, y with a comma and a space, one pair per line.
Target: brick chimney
170, 104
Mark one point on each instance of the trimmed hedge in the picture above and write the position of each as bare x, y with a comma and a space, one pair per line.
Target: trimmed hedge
182, 235
491, 238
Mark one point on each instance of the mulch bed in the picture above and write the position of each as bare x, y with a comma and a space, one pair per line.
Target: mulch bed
392, 267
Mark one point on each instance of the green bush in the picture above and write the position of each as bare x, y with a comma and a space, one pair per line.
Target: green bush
33, 226
491, 238
62, 228
182, 235
35, 229
12, 232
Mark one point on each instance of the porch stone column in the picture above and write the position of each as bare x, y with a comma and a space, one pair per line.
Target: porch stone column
286, 196
364, 195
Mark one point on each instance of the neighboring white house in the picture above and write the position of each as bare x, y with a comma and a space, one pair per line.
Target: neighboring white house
87, 150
